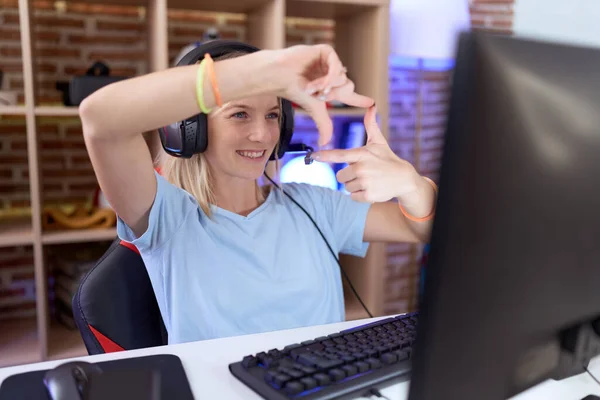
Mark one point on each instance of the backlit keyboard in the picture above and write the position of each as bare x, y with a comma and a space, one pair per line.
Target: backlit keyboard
344, 364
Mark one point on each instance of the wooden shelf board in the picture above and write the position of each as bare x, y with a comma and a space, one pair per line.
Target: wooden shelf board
224, 6
18, 342
16, 232
12, 110
339, 112
56, 111
64, 343
79, 235
135, 3
329, 9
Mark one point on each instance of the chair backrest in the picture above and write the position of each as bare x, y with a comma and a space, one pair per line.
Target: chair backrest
115, 307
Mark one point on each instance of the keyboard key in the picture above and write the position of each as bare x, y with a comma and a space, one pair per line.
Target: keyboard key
322, 379
402, 355
309, 383
348, 359
280, 380
308, 360
326, 364
270, 362
389, 358
349, 370
307, 370
293, 387
270, 376
337, 374
294, 373
361, 366
308, 342
290, 347
373, 363
261, 356
249, 362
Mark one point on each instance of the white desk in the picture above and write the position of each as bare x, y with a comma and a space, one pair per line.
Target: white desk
206, 364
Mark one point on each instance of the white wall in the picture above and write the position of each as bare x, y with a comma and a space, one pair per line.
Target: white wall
568, 21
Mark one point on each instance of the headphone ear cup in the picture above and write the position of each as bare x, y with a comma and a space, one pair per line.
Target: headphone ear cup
201, 134
287, 128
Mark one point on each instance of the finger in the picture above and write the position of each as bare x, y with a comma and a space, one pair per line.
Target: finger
346, 174
348, 96
338, 155
323, 86
314, 87
355, 185
334, 67
360, 196
374, 134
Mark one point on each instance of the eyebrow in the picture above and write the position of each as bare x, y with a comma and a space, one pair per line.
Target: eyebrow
245, 107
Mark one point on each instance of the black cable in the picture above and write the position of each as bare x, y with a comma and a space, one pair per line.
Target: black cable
327, 243
377, 393
593, 377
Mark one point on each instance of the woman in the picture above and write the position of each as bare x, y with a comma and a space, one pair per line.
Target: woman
224, 256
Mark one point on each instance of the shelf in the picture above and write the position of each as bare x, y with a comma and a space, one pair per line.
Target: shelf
18, 342
56, 111
222, 6
331, 9
16, 232
64, 343
135, 3
13, 110
79, 235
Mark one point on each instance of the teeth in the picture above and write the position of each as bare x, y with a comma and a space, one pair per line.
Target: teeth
251, 154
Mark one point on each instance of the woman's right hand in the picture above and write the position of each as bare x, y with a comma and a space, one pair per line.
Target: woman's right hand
310, 75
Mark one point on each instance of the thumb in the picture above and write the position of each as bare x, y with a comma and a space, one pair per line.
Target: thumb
374, 134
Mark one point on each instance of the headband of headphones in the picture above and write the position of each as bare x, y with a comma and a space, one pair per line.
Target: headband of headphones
189, 137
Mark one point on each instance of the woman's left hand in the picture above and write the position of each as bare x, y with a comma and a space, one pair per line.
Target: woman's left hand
374, 173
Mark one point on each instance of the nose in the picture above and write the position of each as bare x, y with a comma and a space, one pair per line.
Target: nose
261, 131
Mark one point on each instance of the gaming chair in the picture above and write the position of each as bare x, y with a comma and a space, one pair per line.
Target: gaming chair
115, 307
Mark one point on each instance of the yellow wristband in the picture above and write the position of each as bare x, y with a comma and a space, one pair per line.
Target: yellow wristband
200, 88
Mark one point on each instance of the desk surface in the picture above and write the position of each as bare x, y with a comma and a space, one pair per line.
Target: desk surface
206, 364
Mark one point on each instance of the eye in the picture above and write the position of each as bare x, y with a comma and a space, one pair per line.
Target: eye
240, 114
273, 115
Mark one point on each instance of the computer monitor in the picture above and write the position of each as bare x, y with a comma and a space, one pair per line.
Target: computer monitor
512, 290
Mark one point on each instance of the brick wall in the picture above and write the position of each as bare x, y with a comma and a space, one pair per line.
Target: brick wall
70, 37
402, 273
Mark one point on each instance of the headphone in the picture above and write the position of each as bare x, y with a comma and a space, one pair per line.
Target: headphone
189, 137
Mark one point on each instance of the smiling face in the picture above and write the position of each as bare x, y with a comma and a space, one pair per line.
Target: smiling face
242, 135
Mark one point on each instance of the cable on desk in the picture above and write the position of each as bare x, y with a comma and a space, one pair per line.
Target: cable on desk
593, 377
377, 393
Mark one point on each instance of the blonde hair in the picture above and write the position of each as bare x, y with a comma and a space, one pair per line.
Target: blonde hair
193, 174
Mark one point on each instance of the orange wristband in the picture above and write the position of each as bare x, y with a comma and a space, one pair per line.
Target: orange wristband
213, 78
427, 217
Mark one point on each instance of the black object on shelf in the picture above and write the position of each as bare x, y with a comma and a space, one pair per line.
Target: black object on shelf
80, 87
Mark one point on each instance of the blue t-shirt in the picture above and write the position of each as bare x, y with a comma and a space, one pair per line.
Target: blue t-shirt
234, 275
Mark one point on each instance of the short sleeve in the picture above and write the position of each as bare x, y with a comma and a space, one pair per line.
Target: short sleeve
171, 206
346, 217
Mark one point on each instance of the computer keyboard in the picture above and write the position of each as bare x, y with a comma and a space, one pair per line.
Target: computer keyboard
343, 364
